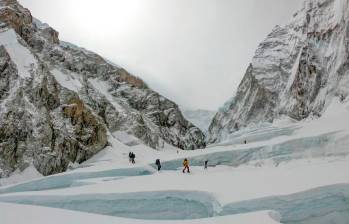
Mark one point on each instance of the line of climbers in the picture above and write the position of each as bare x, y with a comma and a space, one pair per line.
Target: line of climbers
132, 156
186, 168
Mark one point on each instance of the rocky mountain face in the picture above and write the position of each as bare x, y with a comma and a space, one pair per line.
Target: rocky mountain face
296, 71
59, 103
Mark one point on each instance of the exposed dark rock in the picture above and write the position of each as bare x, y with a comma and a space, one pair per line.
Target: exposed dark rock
58, 108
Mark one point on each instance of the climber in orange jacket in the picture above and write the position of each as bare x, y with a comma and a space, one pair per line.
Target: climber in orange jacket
186, 165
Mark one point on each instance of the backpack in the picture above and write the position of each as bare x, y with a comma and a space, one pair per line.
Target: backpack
185, 162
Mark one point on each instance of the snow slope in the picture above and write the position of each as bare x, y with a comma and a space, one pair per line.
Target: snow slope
300, 180
21, 176
40, 215
20, 55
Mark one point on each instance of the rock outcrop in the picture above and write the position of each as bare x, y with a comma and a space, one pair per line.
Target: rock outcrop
58, 102
296, 70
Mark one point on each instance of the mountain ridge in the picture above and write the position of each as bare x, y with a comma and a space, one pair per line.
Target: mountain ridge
296, 71
59, 103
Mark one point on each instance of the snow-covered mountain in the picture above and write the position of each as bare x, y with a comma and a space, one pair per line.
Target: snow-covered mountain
296, 71
201, 118
64, 104
59, 102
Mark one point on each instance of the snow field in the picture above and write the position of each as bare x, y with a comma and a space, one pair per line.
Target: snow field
42, 215
296, 170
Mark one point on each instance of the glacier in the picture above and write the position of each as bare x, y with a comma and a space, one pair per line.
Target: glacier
279, 147
73, 179
164, 205
294, 171
321, 205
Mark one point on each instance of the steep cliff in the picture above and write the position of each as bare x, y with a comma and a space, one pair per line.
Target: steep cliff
296, 71
58, 102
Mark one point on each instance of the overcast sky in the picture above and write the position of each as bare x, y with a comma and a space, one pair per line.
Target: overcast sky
194, 52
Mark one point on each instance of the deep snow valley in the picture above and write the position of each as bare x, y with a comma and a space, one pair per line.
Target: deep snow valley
297, 175
277, 151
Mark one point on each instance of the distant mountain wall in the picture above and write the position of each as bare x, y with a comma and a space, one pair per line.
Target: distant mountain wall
296, 71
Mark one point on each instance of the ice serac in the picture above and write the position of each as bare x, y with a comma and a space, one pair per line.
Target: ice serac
58, 102
296, 71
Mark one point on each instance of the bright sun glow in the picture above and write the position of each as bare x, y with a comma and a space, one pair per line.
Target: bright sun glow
105, 14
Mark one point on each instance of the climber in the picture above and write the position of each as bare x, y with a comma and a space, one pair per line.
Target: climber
129, 157
133, 156
206, 163
158, 164
186, 165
